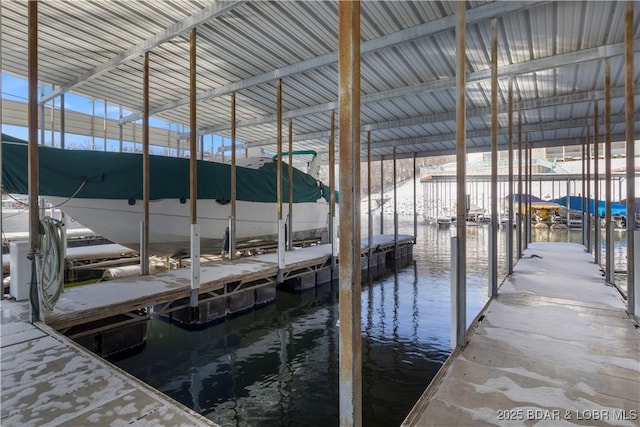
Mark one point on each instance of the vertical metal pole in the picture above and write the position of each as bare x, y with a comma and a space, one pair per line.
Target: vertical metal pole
32, 119
530, 192
458, 297
381, 195
493, 237
104, 125
350, 299
201, 146
596, 186
42, 116
510, 190
62, 121
144, 250
93, 124
193, 181
519, 216
415, 208
120, 131
584, 186
607, 173
332, 189
279, 183
234, 182
633, 300
395, 200
369, 216
587, 217
525, 224
53, 119
290, 215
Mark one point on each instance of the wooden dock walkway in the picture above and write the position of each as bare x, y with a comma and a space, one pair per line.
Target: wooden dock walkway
556, 347
48, 380
94, 302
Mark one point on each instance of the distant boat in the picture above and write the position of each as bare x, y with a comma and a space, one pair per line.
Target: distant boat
576, 203
103, 191
541, 210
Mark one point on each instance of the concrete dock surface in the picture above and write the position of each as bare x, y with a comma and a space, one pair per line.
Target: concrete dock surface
555, 348
47, 380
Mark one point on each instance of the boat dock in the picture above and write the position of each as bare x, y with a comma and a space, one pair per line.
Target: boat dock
110, 317
47, 379
47, 376
556, 346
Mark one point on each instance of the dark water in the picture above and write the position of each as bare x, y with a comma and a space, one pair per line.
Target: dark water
278, 366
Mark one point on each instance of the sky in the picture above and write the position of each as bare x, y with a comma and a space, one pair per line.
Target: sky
15, 89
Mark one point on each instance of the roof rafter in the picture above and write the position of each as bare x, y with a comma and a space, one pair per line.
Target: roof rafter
206, 14
512, 70
481, 13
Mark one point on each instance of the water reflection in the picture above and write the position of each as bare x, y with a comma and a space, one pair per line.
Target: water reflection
278, 366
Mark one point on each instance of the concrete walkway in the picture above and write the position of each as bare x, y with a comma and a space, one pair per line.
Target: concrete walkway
555, 348
47, 380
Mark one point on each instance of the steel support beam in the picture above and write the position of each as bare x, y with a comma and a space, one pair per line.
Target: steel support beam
459, 279
607, 174
596, 186
633, 300
493, 237
587, 218
234, 183
350, 379
519, 214
369, 215
332, 189
510, 190
194, 237
281, 239
144, 251
290, 195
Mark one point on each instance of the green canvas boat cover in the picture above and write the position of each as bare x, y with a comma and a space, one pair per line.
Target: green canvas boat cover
111, 175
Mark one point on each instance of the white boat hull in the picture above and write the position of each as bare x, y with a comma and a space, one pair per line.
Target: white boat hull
170, 222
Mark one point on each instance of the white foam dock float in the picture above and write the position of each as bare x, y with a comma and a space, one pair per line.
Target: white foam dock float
49, 380
556, 347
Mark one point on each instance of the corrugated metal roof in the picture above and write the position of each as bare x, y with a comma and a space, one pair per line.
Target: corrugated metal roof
555, 52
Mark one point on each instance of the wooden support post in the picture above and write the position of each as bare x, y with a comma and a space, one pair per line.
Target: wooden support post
459, 284
493, 237
349, 296
32, 120
633, 299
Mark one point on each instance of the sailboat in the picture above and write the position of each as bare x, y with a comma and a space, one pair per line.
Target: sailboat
104, 192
